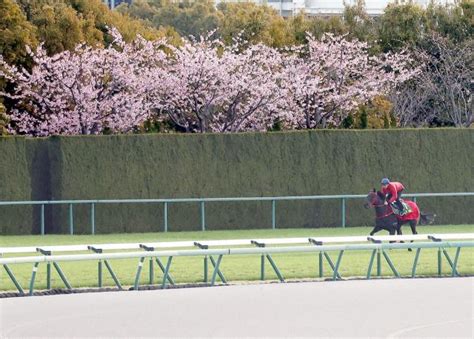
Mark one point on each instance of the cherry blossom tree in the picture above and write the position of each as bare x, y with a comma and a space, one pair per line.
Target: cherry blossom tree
255, 95
86, 91
218, 88
201, 86
335, 75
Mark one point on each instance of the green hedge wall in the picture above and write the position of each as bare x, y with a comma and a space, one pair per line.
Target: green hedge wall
230, 165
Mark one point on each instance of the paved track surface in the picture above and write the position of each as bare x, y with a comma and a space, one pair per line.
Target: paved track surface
388, 308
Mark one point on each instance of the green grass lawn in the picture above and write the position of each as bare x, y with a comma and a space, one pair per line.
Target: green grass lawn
235, 268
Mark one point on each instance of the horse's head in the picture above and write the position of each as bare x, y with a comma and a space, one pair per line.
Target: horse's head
374, 198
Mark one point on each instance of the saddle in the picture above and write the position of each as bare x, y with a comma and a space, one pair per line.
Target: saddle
406, 208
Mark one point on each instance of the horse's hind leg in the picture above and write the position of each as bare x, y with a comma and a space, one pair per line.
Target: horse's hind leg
413, 224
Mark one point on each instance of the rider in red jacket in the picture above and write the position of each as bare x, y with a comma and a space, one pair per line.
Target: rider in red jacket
393, 191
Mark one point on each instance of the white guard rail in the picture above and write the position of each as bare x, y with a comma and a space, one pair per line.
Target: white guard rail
320, 245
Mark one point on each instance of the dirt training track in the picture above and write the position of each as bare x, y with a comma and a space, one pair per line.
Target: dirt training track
440, 307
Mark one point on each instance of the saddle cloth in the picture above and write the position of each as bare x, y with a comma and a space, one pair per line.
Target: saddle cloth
406, 208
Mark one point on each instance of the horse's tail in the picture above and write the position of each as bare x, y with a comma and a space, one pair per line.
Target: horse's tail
427, 218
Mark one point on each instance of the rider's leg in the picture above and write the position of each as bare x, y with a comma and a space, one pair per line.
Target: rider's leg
398, 203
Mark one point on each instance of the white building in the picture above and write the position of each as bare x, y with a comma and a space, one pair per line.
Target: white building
114, 3
313, 7
329, 7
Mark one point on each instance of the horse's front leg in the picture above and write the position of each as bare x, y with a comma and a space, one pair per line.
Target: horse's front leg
392, 231
399, 230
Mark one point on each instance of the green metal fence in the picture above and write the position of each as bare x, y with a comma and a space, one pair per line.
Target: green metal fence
379, 251
202, 202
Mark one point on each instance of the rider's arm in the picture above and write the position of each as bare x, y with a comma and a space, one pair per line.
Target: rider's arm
393, 193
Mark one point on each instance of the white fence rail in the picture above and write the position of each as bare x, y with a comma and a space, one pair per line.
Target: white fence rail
153, 251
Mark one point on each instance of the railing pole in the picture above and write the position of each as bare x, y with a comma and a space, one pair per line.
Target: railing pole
13, 279
42, 219
92, 218
33, 276
336, 268
371, 262
137, 276
273, 214
456, 262
439, 261
99, 272
165, 216
320, 264
343, 212
216, 269
203, 216
166, 272
71, 220
114, 277
48, 276
62, 276
379, 268
415, 262
152, 271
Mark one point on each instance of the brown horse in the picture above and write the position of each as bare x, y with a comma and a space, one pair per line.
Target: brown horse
385, 219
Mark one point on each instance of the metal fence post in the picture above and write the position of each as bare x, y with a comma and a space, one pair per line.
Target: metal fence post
92, 218
343, 212
48, 276
165, 216
99, 272
203, 216
71, 220
273, 214
42, 219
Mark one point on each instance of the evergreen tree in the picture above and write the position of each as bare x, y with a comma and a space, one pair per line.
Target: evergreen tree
15, 33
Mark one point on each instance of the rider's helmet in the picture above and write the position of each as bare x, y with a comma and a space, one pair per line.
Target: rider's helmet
385, 181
